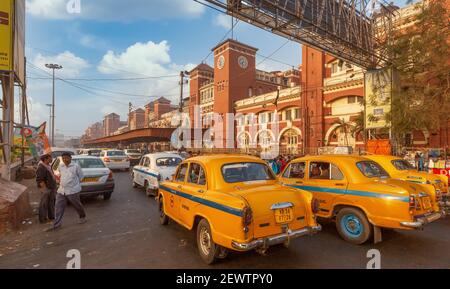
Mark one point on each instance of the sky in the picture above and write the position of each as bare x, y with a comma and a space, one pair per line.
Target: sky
146, 42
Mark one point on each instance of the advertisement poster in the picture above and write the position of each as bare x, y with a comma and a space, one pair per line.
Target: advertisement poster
37, 140
6, 53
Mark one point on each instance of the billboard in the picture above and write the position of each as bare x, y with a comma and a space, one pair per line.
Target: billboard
378, 95
6, 35
12, 35
19, 39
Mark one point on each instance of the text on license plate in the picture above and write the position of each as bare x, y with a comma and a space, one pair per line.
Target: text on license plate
426, 202
90, 180
284, 215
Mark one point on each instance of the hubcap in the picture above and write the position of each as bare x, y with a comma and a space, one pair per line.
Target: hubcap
352, 225
205, 241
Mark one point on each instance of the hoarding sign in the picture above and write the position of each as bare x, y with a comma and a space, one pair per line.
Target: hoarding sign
378, 94
19, 39
6, 35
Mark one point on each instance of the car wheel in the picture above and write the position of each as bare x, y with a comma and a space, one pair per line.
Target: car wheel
107, 196
163, 218
353, 226
209, 251
148, 191
135, 185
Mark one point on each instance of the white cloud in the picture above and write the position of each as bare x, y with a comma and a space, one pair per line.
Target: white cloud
116, 10
145, 60
72, 64
222, 20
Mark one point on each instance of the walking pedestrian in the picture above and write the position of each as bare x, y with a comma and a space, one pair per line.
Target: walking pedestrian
69, 190
46, 183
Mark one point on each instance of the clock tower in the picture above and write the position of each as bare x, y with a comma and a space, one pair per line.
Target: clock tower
234, 75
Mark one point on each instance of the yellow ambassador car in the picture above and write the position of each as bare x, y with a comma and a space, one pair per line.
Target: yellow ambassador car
399, 168
235, 203
359, 195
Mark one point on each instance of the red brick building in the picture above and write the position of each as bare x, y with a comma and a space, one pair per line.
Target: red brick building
111, 123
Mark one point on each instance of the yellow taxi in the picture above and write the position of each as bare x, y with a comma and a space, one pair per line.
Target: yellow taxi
360, 196
234, 202
399, 168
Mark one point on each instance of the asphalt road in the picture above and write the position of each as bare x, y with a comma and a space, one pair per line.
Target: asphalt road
125, 233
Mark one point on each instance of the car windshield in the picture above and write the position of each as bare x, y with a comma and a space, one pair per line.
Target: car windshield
133, 152
246, 172
57, 154
372, 170
402, 165
116, 154
168, 162
89, 163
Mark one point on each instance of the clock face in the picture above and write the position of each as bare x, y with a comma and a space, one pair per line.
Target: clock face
221, 62
243, 62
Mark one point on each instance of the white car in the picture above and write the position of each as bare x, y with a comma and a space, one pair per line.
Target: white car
98, 179
115, 159
154, 168
57, 152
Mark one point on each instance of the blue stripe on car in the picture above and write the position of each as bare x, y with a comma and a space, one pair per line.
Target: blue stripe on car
351, 192
208, 203
146, 173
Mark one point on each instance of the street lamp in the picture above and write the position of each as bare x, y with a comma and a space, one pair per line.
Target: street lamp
53, 67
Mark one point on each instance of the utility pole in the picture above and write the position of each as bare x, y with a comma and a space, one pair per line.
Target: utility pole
50, 119
53, 67
182, 75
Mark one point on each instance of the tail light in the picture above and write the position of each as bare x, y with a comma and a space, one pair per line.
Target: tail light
106, 160
247, 218
315, 205
412, 204
110, 177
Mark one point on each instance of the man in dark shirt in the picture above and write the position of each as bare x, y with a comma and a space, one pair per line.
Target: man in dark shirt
46, 183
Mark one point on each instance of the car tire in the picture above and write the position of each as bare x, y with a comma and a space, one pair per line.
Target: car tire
208, 250
163, 218
107, 196
149, 192
353, 226
135, 185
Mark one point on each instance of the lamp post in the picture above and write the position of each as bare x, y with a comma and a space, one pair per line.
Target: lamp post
50, 119
53, 67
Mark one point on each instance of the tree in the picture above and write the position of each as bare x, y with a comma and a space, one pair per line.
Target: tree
344, 127
420, 55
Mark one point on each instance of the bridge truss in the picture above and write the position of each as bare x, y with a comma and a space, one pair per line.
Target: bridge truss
352, 30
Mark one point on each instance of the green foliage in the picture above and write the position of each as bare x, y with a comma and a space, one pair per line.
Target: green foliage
421, 56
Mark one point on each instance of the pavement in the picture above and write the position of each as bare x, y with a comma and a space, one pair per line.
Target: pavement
124, 232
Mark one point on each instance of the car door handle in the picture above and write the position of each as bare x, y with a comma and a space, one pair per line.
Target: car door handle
179, 186
340, 185
201, 191
299, 182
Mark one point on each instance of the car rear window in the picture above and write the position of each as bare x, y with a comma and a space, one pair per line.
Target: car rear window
116, 154
372, 170
57, 154
90, 163
168, 162
246, 172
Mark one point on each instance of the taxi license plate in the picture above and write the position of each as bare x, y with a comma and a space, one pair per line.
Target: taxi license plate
90, 180
426, 202
284, 215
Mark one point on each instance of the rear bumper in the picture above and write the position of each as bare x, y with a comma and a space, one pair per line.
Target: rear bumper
107, 187
274, 240
424, 220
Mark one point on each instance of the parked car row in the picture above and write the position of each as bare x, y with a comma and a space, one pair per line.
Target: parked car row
237, 203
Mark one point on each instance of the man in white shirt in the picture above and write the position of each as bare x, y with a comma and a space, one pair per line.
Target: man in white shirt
69, 190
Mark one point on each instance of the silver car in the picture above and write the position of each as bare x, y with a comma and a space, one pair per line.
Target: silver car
98, 179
